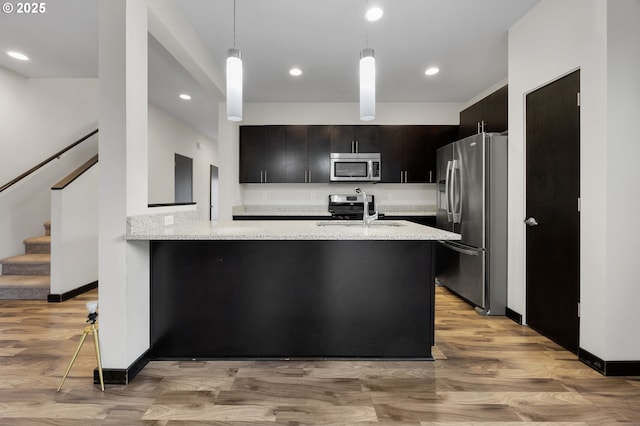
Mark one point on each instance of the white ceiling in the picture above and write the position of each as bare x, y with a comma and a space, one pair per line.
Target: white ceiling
466, 39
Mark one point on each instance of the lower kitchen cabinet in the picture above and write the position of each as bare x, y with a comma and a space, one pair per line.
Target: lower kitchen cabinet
296, 298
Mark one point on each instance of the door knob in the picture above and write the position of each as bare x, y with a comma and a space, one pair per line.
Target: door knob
531, 221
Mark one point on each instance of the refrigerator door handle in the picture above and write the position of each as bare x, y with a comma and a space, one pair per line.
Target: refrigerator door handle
447, 193
460, 249
455, 190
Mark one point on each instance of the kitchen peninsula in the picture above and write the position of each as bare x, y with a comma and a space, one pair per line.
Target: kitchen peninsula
291, 289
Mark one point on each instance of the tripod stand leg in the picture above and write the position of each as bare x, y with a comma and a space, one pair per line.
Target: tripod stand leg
96, 344
75, 355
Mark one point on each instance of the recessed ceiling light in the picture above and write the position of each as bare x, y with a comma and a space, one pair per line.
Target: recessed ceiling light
185, 96
432, 71
17, 55
295, 71
373, 14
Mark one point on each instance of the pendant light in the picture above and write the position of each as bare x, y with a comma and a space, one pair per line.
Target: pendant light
367, 85
367, 81
234, 78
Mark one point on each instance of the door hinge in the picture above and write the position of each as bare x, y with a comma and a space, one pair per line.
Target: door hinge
579, 205
578, 309
578, 99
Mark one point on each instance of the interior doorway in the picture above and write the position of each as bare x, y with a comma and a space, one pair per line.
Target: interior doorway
213, 210
183, 179
552, 210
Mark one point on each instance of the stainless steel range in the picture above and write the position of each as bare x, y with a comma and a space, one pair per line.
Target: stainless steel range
347, 207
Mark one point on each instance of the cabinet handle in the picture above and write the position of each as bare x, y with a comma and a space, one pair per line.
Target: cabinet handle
265, 176
478, 127
406, 178
309, 176
430, 176
401, 176
261, 176
305, 176
357, 146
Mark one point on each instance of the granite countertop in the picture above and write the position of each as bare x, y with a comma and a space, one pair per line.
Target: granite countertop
289, 230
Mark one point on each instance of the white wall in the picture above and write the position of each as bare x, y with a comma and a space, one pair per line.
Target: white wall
621, 313
169, 136
74, 233
233, 194
555, 38
39, 117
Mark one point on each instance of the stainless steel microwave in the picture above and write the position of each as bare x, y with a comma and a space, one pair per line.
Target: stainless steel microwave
355, 167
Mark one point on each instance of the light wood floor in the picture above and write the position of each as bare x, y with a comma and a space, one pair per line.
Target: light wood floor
489, 371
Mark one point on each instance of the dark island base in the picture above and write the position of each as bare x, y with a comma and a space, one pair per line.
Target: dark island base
292, 299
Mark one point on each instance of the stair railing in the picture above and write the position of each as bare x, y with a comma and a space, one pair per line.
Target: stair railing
47, 161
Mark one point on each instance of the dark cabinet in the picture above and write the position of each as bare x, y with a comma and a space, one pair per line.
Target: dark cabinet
296, 154
354, 139
489, 114
262, 154
319, 148
300, 154
409, 152
284, 154
307, 156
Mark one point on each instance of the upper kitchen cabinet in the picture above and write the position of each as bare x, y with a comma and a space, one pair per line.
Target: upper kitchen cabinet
262, 154
354, 139
284, 154
307, 154
489, 114
319, 149
409, 152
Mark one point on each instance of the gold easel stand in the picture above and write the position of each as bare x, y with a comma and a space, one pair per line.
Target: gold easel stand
90, 329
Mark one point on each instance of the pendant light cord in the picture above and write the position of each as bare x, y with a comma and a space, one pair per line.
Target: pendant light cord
234, 24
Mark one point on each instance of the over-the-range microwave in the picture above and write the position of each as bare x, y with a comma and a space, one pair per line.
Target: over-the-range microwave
355, 167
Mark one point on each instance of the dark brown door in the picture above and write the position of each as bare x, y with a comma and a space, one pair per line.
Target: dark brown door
552, 216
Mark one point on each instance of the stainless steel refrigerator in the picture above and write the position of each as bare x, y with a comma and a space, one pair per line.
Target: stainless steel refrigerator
472, 201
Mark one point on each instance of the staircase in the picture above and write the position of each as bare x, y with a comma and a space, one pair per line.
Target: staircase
27, 276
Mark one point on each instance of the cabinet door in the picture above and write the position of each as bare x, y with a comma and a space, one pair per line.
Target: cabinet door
437, 136
318, 146
275, 154
366, 138
390, 144
342, 138
415, 153
495, 111
251, 154
296, 154
469, 119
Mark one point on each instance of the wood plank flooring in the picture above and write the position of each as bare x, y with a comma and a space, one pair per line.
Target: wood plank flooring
488, 371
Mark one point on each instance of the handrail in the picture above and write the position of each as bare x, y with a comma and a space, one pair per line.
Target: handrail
75, 174
45, 162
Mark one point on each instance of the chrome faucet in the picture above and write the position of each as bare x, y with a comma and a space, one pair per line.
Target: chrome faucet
366, 217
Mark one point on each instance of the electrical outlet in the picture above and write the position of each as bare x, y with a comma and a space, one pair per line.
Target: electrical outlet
168, 220
390, 196
264, 196
313, 195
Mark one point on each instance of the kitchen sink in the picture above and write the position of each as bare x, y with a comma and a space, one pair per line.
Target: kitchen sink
374, 224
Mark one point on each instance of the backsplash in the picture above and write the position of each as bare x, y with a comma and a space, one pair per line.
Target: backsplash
318, 194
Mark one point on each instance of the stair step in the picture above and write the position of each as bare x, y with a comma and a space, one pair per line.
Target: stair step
41, 244
27, 264
47, 227
25, 287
